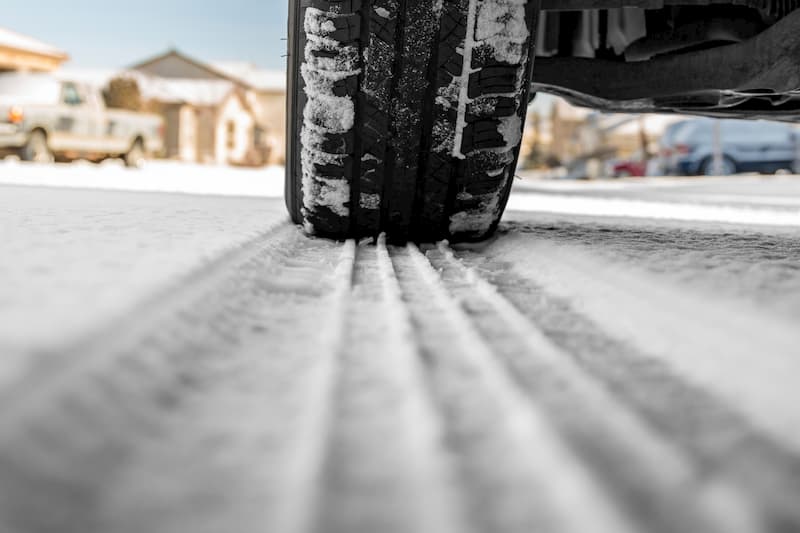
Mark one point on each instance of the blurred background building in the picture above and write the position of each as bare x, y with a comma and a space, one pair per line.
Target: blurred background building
233, 113
23, 53
214, 113
217, 112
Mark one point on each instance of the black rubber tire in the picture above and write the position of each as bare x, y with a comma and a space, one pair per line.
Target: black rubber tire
390, 131
135, 156
37, 149
707, 166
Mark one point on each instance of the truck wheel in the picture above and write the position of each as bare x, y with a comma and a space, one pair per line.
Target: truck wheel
135, 157
406, 117
36, 149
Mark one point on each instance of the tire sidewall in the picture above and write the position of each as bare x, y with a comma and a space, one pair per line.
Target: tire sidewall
37, 150
135, 157
728, 166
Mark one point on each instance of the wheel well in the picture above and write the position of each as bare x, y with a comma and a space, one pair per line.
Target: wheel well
39, 129
710, 160
138, 140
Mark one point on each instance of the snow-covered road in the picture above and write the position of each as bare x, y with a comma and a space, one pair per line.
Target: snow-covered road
193, 363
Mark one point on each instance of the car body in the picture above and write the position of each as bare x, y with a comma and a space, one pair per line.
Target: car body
746, 146
628, 168
72, 119
661, 163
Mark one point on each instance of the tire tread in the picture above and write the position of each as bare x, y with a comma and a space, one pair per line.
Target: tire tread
434, 142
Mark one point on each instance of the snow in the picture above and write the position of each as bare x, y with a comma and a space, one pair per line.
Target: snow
12, 39
96, 77
258, 78
331, 114
319, 23
558, 375
175, 90
522, 427
331, 193
76, 258
166, 90
689, 330
649, 209
604, 414
511, 130
660, 199
161, 176
478, 219
325, 113
501, 25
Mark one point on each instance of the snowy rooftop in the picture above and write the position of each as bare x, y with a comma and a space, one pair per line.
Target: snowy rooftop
167, 90
653, 124
178, 90
17, 41
94, 77
258, 78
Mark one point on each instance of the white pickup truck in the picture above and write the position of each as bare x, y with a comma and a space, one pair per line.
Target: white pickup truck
44, 117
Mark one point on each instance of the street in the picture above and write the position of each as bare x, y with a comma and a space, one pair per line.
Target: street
622, 357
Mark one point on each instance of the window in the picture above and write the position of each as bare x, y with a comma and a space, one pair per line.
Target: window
70, 95
231, 135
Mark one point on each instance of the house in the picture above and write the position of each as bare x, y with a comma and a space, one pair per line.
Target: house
207, 121
22, 53
252, 113
268, 100
553, 130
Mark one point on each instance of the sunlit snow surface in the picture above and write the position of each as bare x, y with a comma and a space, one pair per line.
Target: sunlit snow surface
657, 320
163, 176
748, 200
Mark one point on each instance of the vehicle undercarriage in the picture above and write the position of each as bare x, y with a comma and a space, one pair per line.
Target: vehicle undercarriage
407, 116
717, 58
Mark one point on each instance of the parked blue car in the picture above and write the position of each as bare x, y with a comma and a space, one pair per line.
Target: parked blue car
747, 146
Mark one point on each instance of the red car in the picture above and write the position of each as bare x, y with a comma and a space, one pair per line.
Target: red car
629, 169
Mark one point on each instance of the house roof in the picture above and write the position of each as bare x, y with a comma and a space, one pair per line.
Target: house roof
258, 78
17, 41
178, 90
190, 60
242, 73
93, 77
165, 90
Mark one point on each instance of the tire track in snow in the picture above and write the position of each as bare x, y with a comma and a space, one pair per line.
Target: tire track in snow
45, 368
518, 476
386, 469
212, 415
651, 479
719, 440
688, 332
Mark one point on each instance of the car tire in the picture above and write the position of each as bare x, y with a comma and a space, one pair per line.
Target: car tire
728, 166
391, 130
136, 155
37, 149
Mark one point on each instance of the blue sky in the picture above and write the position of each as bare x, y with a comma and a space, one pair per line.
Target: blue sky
115, 33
